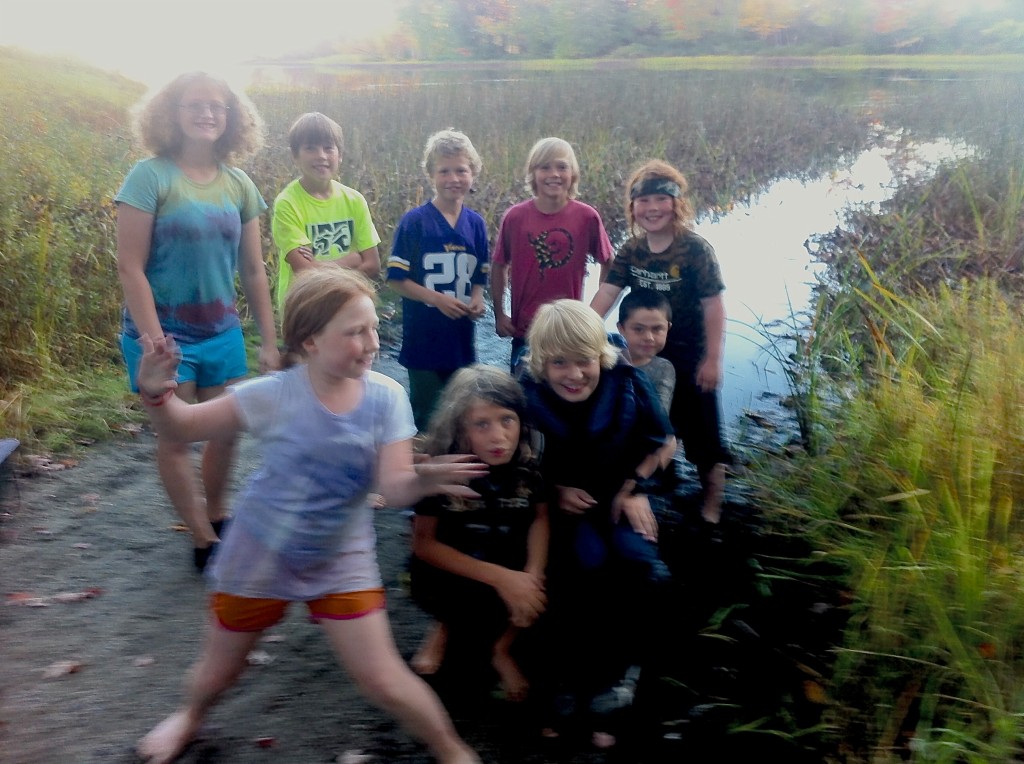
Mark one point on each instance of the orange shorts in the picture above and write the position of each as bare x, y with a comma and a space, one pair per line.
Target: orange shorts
236, 613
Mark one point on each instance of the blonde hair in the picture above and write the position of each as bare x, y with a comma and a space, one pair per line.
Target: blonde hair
314, 127
157, 124
682, 208
314, 298
546, 150
567, 328
450, 143
469, 386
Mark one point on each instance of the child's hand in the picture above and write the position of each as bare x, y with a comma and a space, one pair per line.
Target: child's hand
450, 473
523, 595
158, 369
503, 326
450, 306
709, 374
476, 307
270, 358
576, 501
637, 510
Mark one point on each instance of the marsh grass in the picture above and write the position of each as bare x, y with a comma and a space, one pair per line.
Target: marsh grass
71, 130
918, 486
731, 138
66, 147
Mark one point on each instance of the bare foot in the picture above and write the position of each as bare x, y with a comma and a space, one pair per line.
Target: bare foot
464, 756
711, 512
602, 740
512, 680
166, 741
430, 654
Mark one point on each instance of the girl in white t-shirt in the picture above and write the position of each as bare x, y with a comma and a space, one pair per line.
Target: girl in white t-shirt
330, 429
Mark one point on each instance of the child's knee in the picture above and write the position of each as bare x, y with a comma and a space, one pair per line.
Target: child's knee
387, 686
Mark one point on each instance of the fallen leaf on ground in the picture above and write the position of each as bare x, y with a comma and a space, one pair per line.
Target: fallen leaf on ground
353, 757
815, 693
180, 527
60, 668
25, 599
265, 742
70, 597
259, 658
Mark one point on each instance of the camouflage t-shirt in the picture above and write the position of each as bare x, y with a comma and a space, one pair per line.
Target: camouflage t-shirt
687, 272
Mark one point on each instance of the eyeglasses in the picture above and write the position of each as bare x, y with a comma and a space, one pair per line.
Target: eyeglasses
198, 108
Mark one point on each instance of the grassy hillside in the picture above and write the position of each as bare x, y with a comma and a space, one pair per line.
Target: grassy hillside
65, 130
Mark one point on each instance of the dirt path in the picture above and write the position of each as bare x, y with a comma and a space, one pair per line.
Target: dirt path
93, 573
101, 535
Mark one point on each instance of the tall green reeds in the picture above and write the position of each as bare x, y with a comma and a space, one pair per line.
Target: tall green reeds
917, 494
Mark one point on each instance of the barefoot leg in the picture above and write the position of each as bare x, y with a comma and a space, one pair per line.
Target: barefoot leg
367, 651
217, 462
169, 738
714, 485
513, 682
220, 665
430, 655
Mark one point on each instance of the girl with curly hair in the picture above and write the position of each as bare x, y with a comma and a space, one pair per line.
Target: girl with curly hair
479, 563
187, 223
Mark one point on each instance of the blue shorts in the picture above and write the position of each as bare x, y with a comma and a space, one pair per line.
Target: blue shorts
209, 363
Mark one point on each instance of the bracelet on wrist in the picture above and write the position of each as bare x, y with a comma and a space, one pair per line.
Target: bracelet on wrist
155, 400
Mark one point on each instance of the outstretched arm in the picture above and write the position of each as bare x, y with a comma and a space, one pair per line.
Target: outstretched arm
403, 484
172, 417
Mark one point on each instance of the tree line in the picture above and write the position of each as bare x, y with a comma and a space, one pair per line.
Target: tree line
530, 29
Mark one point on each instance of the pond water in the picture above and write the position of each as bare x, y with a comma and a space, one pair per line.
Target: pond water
767, 263
763, 242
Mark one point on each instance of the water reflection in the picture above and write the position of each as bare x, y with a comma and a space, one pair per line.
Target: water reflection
766, 265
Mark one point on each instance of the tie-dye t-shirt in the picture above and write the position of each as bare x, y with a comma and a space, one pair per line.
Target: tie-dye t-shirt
302, 526
193, 256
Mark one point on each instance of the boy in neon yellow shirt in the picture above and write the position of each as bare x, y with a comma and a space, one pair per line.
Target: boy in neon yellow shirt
317, 220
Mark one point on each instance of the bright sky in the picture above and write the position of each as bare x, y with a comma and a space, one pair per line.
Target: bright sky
154, 40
